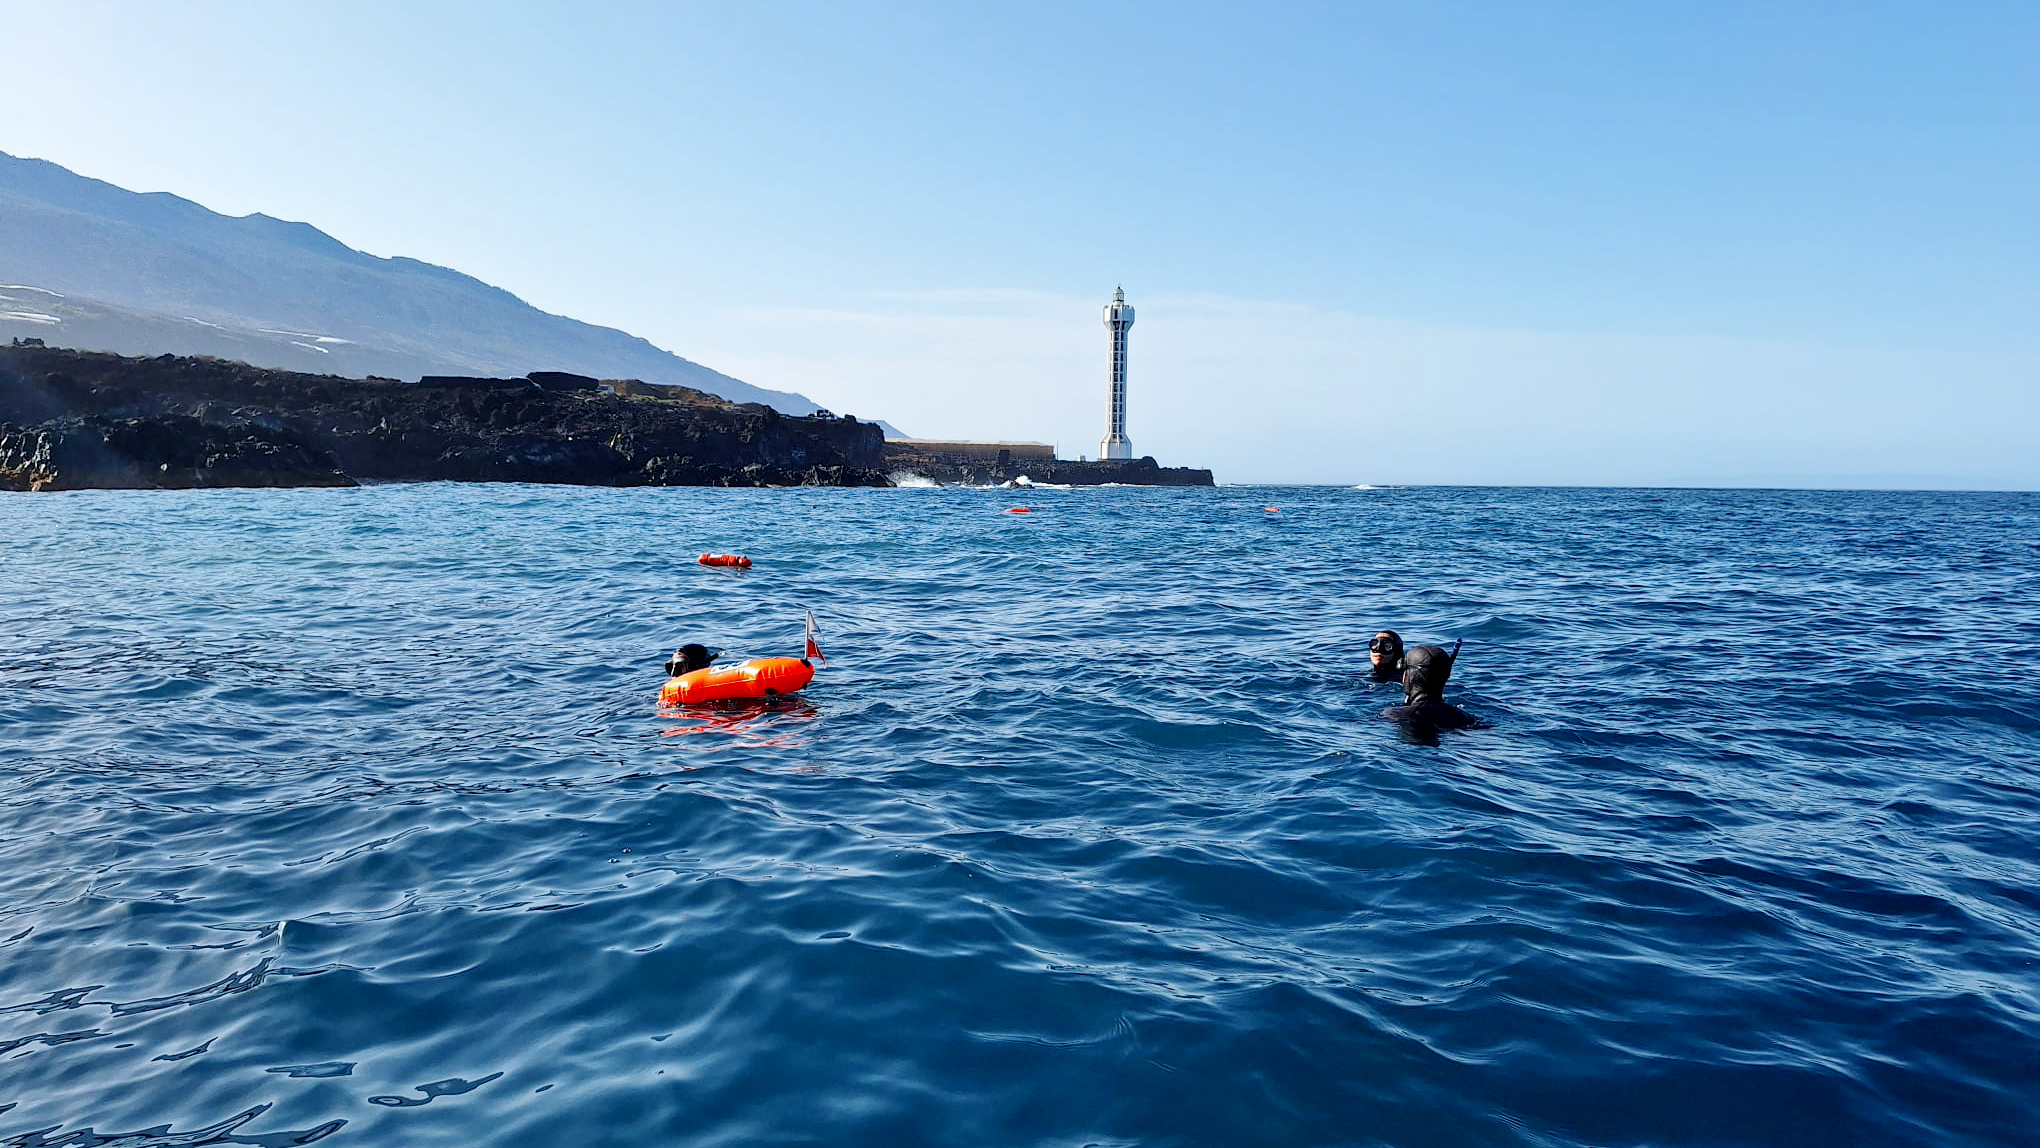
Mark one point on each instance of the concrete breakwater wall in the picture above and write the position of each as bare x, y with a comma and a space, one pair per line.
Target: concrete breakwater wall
990, 471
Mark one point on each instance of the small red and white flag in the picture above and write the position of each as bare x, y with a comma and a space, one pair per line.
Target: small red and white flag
813, 650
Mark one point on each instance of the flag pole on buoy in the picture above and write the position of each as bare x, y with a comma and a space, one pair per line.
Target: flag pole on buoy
814, 651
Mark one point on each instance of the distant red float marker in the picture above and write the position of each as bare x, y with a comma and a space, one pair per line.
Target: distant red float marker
1019, 510
724, 560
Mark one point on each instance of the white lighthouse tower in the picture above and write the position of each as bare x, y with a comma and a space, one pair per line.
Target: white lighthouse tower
1118, 318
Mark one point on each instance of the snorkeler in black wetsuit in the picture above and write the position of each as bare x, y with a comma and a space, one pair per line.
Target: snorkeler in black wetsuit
1425, 671
1386, 653
690, 657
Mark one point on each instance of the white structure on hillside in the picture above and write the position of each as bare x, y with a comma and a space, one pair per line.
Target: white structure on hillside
1118, 318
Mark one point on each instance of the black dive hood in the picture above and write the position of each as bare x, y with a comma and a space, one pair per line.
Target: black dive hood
1426, 669
1390, 667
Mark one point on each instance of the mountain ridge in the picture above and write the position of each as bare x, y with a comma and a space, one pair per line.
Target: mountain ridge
153, 272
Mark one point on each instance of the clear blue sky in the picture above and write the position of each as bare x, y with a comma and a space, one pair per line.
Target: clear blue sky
1600, 243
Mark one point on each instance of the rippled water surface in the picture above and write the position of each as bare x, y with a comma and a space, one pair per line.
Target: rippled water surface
348, 816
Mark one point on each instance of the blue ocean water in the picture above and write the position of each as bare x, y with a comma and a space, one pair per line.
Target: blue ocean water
348, 815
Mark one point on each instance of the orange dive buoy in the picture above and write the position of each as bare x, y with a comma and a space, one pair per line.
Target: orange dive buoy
1019, 510
724, 560
757, 678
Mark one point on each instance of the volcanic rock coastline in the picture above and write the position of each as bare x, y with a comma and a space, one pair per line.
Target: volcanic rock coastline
75, 420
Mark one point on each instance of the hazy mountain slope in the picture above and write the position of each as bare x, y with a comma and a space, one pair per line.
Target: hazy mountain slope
94, 324
134, 268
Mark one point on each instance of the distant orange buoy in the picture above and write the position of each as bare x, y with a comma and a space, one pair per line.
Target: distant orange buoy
724, 560
1272, 509
1019, 510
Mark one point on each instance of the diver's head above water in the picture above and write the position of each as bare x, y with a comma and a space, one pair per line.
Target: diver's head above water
1385, 652
1426, 669
692, 656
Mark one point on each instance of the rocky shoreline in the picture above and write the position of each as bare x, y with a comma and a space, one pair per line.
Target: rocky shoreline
78, 420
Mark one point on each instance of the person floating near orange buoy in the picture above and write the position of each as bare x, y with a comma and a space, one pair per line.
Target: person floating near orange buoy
692, 678
689, 658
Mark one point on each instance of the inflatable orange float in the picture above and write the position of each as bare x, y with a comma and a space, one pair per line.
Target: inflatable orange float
757, 678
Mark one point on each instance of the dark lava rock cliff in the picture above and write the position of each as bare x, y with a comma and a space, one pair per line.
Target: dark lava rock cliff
73, 420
